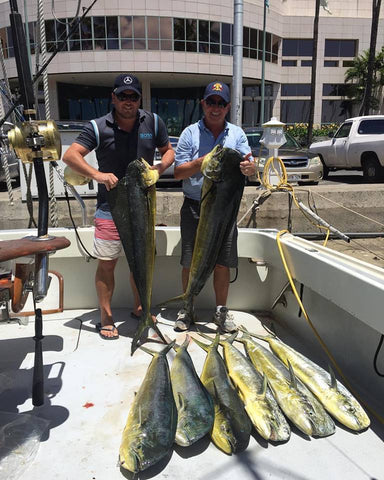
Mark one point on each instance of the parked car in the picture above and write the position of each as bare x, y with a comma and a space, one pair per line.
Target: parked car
302, 166
357, 145
8, 155
167, 178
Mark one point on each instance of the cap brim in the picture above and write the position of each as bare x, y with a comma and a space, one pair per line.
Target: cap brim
224, 97
118, 90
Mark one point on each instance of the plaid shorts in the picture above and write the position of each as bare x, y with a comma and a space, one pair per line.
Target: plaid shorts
189, 219
106, 242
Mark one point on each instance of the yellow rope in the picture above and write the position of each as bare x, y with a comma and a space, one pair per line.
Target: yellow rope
321, 341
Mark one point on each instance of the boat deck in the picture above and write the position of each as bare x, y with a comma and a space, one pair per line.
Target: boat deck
90, 384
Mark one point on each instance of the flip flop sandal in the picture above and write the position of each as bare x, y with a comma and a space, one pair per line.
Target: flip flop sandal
100, 329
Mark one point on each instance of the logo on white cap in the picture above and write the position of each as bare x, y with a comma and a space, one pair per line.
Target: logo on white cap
128, 80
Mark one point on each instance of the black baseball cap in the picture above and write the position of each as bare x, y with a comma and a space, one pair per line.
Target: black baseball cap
126, 81
218, 88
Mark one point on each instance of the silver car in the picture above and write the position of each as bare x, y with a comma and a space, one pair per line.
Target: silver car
302, 166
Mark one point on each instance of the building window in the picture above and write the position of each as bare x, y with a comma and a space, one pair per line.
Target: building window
297, 47
296, 90
340, 48
129, 32
306, 63
334, 89
295, 111
289, 63
335, 111
331, 63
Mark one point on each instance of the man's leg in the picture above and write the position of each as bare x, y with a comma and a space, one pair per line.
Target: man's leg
184, 278
137, 309
105, 284
221, 284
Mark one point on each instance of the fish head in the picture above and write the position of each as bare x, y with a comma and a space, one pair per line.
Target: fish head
350, 413
136, 454
224, 437
141, 171
212, 164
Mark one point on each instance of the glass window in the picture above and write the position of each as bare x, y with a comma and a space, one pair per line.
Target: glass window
253, 38
340, 48
61, 32
297, 47
275, 44
203, 31
86, 28
296, 90
153, 27
343, 130
295, 111
334, 89
139, 28
191, 30
166, 28
99, 27
214, 32
245, 37
112, 27
371, 127
335, 111
179, 29
226, 33
331, 63
306, 63
50, 30
126, 27
289, 63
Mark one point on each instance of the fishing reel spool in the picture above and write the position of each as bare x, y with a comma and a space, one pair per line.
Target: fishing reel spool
36, 139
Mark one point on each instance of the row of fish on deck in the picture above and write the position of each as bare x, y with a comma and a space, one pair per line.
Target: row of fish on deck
234, 392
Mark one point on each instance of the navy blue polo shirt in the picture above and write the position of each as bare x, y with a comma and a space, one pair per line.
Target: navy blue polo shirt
116, 148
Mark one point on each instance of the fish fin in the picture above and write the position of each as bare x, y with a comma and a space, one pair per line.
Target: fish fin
186, 341
207, 337
263, 390
181, 402
204, 346
293, 376
333, 378
216, 341
142, 326
231, 339
176, 302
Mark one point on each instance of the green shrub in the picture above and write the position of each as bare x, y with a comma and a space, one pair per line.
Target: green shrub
299, 130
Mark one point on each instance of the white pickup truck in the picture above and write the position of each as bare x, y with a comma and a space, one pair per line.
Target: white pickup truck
357, 145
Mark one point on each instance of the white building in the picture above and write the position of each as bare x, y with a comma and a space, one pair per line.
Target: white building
176, 47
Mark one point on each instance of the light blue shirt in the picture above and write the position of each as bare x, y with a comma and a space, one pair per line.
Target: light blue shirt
197, 140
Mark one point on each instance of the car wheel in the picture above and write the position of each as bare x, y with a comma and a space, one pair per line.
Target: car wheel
372, 170
325, 169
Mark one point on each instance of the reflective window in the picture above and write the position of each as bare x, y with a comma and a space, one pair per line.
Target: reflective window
340, 48
306, 63
334, 89
295, 111
331, 63
296, 90
297, 47
335, 111
371, 127
289, 63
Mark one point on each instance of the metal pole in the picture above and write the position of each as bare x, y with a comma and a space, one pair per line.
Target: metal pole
263, 65
237, 98
27, 34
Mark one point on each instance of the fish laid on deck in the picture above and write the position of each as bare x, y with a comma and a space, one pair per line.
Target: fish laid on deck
219, 205
193, 402
336, 399
151, 425
232, 427
258, 400
133, 208
297, 402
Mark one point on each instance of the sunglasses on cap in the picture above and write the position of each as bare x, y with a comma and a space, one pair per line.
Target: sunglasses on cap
220, 103
122, 97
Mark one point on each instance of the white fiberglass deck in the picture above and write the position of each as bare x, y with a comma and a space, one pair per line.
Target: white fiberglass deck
82, 370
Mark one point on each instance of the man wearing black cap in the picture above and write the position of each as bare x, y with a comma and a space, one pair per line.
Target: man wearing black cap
121, 136
195, 142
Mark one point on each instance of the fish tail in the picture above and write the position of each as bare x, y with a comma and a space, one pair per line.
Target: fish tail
142, 327
260, 337
178, 301
204, 346
165, 350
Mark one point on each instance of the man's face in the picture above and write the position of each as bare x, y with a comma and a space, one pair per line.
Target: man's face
126, 103
215, 108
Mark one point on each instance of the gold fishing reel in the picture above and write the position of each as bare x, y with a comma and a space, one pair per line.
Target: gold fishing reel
36, 139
